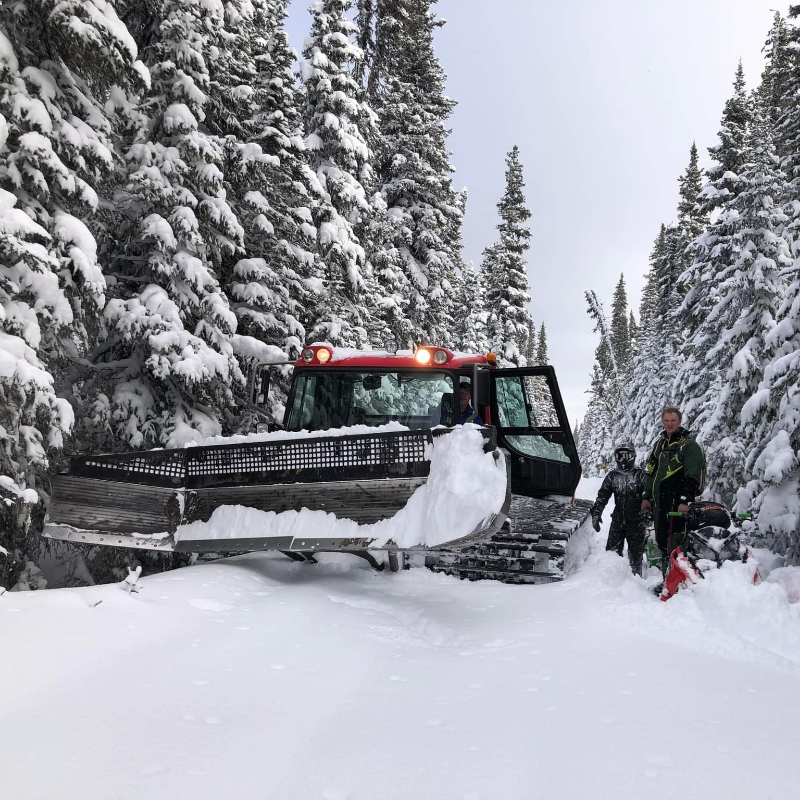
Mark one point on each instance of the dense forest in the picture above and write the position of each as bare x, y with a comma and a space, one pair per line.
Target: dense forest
181, 195
718, 333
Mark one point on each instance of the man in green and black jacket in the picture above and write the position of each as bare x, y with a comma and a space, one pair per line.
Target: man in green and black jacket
674, 476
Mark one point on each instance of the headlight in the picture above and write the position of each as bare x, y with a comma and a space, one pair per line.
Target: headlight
422, 356
323, 355
308, 354
440, 357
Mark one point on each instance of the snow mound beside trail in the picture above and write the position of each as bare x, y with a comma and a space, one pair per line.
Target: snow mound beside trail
789, 579
464, 487
724, 614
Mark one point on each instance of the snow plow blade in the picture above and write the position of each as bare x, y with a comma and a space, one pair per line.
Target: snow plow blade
139, 500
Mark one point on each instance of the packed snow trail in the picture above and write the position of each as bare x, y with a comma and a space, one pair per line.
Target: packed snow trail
281, 680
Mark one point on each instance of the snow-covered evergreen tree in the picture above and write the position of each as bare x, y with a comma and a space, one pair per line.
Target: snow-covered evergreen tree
67, 70
33, 420
659, 351
633, 333
771, 417
648, 306
471, 321
775, 76
337, 124
745, 293
273, 190
672, 274
66, 79
166, 371
452, 271
506, 275
787, 127
645, 391
607, 411
620, 335
528, 349
542, 357
596, 442
406, 88
712, 255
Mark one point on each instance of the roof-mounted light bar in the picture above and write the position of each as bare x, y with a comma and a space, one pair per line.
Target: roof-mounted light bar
316, 354
428, 355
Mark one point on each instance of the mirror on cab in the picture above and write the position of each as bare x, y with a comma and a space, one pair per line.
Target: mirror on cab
259, 385
372, 382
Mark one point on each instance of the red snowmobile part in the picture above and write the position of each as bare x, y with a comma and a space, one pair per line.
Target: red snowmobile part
681, 573
751, 559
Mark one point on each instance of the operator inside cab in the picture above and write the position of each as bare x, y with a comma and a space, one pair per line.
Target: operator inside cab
468, 414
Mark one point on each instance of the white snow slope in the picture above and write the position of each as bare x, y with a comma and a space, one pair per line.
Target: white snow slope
257, 677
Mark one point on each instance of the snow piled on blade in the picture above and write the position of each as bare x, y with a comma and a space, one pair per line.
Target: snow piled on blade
465, 486
280, 436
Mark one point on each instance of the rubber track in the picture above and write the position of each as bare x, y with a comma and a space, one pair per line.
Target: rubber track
536, 527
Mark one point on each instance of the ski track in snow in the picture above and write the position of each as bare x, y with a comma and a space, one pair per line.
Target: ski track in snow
285, 680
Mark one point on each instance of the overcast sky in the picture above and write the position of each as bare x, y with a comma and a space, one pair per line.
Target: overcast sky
604, 99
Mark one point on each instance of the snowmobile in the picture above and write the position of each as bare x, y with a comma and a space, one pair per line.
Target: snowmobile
150, 499
709, 541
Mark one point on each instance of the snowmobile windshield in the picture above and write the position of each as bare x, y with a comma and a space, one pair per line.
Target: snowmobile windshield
325, 399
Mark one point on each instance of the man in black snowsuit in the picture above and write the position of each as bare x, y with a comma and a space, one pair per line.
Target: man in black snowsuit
626, 483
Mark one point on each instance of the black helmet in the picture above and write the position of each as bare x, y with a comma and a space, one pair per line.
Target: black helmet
625, 456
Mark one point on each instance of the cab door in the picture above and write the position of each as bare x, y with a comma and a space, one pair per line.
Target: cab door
532, 426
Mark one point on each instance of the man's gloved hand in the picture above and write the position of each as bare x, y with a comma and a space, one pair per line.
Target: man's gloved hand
596, 520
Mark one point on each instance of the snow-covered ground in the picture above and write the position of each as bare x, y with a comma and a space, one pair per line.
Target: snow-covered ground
263, 678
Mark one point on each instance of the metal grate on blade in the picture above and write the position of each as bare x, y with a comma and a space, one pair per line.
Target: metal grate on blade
308, 454
362, 457
157, 467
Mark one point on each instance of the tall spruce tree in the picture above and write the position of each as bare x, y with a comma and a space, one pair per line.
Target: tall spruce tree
67, 71
33, 420
166, 370
528, 348
406, 87
770, 417
771, 420
776, 74
648, 306
542, 357
272, 188
655, 357
609, 415
620, 335
507, 278
674, 271
645, 388
714, 251
66, 60
787, 126
471, 322
633, 332
745, 292
337, 124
